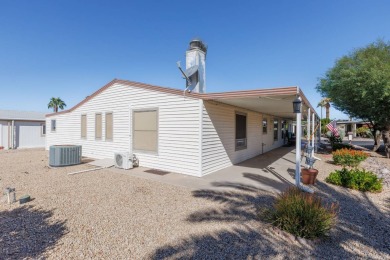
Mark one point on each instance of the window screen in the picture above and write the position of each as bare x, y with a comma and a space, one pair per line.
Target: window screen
98, 126
109, 128
83, 126
145, 136
240, 131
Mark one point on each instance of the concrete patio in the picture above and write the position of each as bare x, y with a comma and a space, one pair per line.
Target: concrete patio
272, 171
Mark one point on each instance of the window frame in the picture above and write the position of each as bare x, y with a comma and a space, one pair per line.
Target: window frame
277, 130
53, 129
157, 130
105, 126
81, 126
101, 126
266, 125
245, 146
43, 126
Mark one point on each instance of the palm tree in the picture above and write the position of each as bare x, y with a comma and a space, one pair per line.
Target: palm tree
56, 103
325, 102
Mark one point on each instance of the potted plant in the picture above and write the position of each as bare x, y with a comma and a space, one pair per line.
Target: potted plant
309, 174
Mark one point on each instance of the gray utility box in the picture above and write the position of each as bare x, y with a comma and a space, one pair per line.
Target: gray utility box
64, 155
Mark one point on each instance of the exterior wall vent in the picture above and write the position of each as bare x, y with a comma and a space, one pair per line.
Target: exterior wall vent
64, 155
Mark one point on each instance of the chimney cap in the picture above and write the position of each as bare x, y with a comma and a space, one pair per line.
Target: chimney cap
197, 43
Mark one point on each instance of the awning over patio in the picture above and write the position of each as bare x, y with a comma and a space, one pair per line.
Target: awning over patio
275, 101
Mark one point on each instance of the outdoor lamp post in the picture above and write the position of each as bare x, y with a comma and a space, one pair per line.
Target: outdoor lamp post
297, 105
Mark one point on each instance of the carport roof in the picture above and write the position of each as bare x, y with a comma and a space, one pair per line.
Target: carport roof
273, 101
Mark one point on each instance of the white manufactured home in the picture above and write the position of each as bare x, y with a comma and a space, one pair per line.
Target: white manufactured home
22, 129
193, 133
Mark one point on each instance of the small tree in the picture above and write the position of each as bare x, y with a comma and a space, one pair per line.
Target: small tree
359, 85
56, 103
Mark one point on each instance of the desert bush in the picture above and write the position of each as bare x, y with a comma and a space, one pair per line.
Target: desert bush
348, 157
334, 139
302, 214
338, 146
363, 131
357, 179
324, 122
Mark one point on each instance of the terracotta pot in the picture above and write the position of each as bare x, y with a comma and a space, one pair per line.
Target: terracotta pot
309, 176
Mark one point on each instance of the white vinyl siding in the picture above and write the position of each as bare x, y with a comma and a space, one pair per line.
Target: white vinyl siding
218, 135
28, 134
178, 130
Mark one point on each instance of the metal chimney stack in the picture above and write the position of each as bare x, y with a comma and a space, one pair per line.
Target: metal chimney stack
196, 56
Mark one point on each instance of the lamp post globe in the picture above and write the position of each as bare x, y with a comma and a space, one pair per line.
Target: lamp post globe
297, 105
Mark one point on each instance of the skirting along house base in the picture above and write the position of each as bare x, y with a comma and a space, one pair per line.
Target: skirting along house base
194, 134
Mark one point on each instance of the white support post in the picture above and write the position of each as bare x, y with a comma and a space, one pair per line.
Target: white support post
312, 130
298, 142
298, 151
308, 126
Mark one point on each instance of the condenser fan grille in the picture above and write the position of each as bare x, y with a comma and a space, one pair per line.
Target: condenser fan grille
119, 159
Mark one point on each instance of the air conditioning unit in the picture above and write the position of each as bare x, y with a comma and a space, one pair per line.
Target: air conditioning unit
123, 160
64, 155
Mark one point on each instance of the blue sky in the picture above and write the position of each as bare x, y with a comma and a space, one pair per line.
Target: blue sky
71, 48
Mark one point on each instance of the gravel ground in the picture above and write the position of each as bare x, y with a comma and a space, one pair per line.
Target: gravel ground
106, 215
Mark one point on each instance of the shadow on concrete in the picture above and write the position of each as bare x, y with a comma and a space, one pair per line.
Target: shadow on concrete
360, 225
27, 232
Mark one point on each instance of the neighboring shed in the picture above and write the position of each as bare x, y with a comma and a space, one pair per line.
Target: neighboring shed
22, 129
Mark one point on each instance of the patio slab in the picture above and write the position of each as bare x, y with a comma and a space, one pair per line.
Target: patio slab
272, 171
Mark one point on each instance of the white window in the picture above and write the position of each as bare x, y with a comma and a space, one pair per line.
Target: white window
265, 125
83, 126
276, 130
98, 126
145, 130
53, 125
43, 129
109, 126
241, 140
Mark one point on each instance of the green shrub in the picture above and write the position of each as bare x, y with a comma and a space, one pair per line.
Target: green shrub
338, 146
357, 179
334, 139
302, 214
324, 122
348, 157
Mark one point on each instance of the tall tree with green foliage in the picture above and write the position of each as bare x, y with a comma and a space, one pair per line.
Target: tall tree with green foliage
359, 85
56, 103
